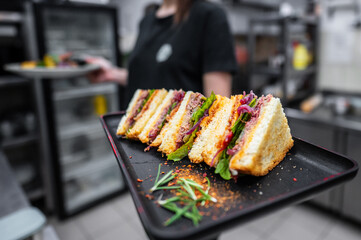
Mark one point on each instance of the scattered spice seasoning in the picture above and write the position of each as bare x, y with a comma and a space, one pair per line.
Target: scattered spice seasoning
295, 179
150, 197
130, 157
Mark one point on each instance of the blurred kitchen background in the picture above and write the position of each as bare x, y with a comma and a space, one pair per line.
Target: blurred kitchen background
306, 52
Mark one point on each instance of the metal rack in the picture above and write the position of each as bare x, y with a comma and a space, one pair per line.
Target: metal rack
81, 167
21, 143
283, 73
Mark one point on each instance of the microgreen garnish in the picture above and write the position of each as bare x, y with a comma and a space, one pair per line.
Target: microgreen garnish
188, 195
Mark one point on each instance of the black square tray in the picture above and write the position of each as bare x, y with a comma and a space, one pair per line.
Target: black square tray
305, 171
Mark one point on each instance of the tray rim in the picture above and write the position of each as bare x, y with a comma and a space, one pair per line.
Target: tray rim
248, 213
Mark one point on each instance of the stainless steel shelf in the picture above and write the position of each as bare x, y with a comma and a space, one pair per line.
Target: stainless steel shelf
93, 194
264, 70
80, 128
12, 81
19, 141
309, 20
94, 165
86, 91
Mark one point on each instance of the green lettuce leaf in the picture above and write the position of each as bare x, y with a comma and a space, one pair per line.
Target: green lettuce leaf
182, 152
240, 124
223, 164
146, 100
200, 112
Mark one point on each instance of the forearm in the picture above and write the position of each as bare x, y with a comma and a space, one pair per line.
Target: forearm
218, 82
119, 75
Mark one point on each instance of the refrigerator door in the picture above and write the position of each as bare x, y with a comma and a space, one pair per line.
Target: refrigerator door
82, 31
85, 170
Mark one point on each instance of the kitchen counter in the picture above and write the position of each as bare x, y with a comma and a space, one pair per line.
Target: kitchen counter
337, 133
326, 116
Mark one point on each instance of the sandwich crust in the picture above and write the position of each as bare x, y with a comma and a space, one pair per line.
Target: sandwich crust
124, 122
158, 140
146, 113
264, 142
179, 124
212, 129
167, 101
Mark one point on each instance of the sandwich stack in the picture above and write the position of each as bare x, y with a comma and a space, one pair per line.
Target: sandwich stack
244, 134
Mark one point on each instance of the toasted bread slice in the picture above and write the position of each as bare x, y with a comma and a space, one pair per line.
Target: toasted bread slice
131, 112
158, 140
146, 113
179, 123
215, 129
265, 140
151, 124
212, 130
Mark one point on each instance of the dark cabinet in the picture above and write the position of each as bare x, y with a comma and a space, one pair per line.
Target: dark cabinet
352, 191
315, 133
19, 138
336, 136
321, 135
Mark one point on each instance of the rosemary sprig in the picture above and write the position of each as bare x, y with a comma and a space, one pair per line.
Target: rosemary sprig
169, 200
207, 190
179, 214
165, 179
186, 196
187, 187
200, 189
171, 205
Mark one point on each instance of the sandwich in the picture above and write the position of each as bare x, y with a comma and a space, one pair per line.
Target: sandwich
264, 142
165, 110
176, 138
248, 136
244, 134
141, 108
211, 136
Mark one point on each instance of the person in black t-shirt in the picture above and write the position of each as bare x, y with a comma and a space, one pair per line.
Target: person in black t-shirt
183, 44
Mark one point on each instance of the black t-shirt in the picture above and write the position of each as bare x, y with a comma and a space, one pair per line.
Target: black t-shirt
176, 56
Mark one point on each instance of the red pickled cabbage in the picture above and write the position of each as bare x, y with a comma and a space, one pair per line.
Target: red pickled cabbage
231, 151
247, 99
245, 109
215, 155
179, 96
198, 123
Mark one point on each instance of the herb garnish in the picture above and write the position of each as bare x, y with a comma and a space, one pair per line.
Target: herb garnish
189, 195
